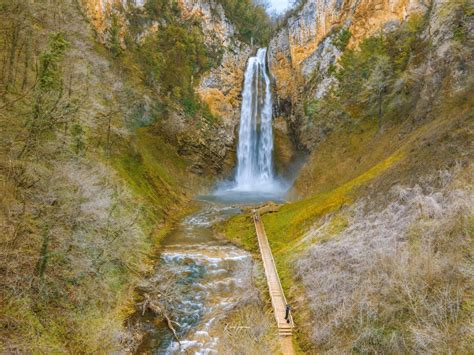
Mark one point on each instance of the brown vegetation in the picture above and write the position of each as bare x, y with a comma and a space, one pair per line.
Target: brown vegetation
78, 221
397, 278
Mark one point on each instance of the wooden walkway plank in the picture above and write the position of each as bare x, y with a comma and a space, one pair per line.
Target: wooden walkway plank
285, 329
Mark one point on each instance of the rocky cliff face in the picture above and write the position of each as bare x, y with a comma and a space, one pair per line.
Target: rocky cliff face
221, 88
305, 43
304, 51
211, 146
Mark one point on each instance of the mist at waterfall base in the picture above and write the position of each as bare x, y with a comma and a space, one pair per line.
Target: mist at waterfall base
254, 179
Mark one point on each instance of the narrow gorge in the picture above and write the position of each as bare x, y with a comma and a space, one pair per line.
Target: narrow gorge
151, 148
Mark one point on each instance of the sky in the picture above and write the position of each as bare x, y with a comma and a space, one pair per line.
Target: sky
278, 5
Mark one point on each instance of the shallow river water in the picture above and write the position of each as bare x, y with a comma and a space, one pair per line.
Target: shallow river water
200, 277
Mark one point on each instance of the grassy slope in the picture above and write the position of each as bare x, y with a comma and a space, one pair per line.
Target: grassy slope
334, 179
156, 173
286, 227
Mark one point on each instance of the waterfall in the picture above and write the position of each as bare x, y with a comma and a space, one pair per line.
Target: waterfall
254, 153
254, 180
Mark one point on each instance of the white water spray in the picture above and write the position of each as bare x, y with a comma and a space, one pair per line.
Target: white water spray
254, 180
254, 154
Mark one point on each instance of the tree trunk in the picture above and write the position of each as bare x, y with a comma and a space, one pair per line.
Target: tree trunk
107, 147
17, 65
11, 57
156, 309
43, 259
26, 63
380, 111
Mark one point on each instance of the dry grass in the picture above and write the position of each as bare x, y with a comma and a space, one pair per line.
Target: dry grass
287, 226
249, 330
72, 247
397, 279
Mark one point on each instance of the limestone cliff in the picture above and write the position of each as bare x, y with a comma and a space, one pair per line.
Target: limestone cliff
212, 146
305, 41
221, 87
303, 49
304, 52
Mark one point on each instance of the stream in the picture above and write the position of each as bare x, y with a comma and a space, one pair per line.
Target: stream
200, 278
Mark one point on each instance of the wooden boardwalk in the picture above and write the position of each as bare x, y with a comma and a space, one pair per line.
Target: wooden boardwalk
277, 295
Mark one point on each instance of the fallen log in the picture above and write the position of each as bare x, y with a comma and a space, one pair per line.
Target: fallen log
156, 309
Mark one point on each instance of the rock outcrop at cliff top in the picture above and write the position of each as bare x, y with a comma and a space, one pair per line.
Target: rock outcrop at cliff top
221, 87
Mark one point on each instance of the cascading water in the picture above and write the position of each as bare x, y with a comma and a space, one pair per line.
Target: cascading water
254, 179
254, 154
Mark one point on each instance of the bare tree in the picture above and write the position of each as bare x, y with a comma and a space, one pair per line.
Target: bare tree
377, 84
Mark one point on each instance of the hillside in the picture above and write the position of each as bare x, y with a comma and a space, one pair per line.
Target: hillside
116, 114
374, 246
102, 151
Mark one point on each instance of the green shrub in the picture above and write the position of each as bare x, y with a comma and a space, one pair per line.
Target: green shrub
77, 133
460, 32
174, 57
50, 108
207, 114
190, 105
50, 71
165, 9
342, 39
114, 33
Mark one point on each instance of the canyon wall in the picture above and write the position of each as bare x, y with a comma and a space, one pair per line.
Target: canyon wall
305, 44
431, 38
304, 52
212, 146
